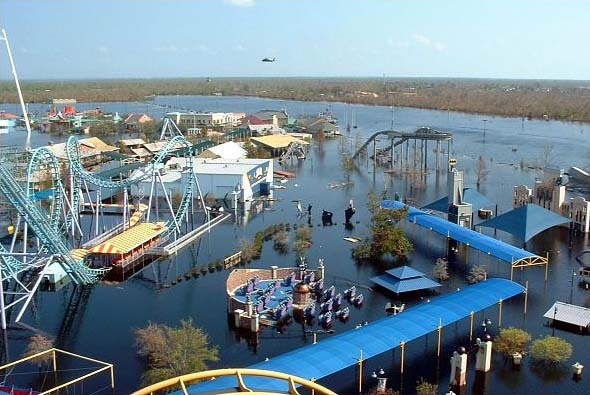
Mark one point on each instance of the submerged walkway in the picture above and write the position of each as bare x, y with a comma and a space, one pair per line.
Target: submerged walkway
341, 351
494, 247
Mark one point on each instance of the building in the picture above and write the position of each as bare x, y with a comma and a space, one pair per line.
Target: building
260, 129
276, 117
220, 179
196, 120
276, 144
229, 150
92, 151
134, 121
317, 125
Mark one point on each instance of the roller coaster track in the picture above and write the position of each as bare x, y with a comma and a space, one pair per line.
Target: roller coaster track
45, 224
73, 152
423, 133
39, 221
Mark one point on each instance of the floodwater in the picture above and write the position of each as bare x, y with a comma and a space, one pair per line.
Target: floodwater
101, 326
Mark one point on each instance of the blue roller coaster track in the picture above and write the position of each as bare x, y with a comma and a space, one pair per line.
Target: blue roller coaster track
46, 223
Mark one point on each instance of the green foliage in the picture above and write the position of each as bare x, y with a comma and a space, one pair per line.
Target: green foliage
386, 236
426, 388
551, 349
252, 151
555, 99
441, 269
476, 274
172, 352
511, 340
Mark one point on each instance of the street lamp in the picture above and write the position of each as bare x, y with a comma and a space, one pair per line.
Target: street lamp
554, 314
381, 381
484, 129
572, 286
485, 323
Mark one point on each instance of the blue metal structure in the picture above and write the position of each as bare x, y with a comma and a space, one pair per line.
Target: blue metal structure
484, 243
341, 351
404, 279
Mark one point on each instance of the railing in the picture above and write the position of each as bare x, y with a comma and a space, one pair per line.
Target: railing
182, 381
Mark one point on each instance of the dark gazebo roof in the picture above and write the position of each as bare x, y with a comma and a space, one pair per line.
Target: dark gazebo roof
526, 221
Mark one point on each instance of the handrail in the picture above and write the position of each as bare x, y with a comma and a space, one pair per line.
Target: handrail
238, 373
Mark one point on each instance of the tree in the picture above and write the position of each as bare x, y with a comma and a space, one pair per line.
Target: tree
302, 240
347, 165
511, 340
281, 241
38, 344
476, 274
481, 170
426, 388
551, 349
386, 236
172, 352
441, 269
248, 248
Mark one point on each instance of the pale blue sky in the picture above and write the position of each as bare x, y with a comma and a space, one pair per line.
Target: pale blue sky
220, 38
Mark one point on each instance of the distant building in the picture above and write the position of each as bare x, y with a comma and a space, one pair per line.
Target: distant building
206, 119
134, 121
276, 144
276, 117
92, 151
316, 125
229, 150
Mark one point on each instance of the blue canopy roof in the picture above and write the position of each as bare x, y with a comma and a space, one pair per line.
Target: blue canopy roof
526, 221
484, 243
404, 285
470, 195
404, 272
341, 351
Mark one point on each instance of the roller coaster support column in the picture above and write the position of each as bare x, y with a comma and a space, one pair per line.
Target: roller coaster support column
425, 155
2, 310
437, 164
125, 200
151, 194
392, 153
97, 211
169, 203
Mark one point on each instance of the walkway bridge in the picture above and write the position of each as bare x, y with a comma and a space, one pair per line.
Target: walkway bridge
424, 134
517, 257
344, 350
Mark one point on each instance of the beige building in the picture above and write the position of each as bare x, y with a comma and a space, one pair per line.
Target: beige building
206, 119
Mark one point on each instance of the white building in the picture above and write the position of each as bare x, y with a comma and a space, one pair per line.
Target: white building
237, 179
229, 150
205, 119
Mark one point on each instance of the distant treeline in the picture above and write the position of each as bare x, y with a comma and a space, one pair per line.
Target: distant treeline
563, 100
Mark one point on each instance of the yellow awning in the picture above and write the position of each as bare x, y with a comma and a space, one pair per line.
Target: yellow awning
277, 141
130, 239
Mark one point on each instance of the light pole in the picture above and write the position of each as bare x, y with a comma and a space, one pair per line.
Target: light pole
381, 381
572, 286
554, 314
485, 323
484, 129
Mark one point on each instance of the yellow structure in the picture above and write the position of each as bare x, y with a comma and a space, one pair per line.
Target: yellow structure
276, 142
130, 239
52, 354
183, 381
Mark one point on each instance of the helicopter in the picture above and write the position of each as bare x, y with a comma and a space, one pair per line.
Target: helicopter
268, 59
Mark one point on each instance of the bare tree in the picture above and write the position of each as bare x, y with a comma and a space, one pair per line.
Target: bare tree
441, 269
481, 170
476, 274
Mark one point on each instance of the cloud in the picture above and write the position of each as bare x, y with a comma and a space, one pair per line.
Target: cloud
24, 50
428, 42
240, 48
169, 48
103, 50
397, 44
240, 3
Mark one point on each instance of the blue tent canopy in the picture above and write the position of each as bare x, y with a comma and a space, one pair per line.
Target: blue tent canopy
470, 195
341, 351
526, 221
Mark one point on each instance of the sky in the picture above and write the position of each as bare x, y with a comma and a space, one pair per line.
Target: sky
95, 39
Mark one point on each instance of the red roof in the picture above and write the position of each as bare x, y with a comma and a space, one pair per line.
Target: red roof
253, 120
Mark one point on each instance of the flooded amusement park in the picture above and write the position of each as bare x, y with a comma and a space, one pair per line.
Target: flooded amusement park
257, 309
